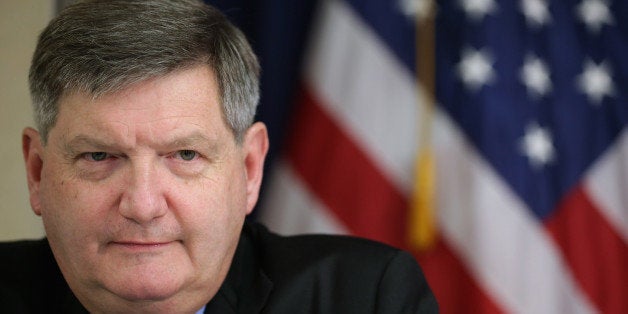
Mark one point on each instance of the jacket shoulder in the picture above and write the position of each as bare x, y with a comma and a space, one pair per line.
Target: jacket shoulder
341, 274
20, 260
321, 249
30, 280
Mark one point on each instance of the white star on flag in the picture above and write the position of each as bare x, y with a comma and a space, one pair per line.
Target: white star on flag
478, 9
535, 76
476, 68
419, 9
537, 145
536, 12
594, 13
595, 81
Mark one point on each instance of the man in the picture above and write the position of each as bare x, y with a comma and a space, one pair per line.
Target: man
143, 167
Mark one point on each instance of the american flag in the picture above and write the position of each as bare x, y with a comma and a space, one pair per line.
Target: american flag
527, 136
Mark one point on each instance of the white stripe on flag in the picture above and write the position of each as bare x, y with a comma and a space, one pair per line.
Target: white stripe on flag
606, 185
290, 208
366, 89
506, 249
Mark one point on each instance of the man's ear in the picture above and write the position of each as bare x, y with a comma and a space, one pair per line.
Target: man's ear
255, 146
32, 149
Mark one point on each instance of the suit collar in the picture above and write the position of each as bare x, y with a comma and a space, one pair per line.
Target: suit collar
247, 287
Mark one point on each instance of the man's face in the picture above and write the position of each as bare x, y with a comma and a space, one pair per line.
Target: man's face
143, 192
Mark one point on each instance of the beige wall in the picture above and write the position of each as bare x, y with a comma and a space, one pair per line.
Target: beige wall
20, 23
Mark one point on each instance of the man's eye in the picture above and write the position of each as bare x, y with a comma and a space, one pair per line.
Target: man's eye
187, 154
96, 156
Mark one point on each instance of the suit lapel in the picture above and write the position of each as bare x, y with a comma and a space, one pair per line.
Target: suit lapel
246, 288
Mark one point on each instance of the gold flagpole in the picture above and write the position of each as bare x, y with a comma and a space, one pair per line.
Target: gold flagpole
422, 220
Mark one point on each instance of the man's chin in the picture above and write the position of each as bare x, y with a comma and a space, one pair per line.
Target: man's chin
150, 274
145, 291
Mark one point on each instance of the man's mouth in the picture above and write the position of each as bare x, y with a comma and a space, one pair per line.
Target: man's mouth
139, 246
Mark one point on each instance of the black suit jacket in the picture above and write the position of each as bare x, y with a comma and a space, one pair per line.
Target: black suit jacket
269, 274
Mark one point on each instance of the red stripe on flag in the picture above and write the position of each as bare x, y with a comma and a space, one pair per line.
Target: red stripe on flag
454, 288
343, 176
597, 256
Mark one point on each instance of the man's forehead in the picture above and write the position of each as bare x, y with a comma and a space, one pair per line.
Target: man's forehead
116, 85
189, 92
180, 107
188, 82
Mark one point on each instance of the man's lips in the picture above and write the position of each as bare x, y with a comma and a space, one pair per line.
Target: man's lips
141, 245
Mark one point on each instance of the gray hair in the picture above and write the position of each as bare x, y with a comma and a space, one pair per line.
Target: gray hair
102, 46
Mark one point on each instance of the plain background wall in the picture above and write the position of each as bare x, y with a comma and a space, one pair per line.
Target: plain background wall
20, 23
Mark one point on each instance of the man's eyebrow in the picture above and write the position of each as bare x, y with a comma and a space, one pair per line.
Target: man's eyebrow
190, 140
72, 146
195, 141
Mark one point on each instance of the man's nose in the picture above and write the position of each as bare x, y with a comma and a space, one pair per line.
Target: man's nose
144, 197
